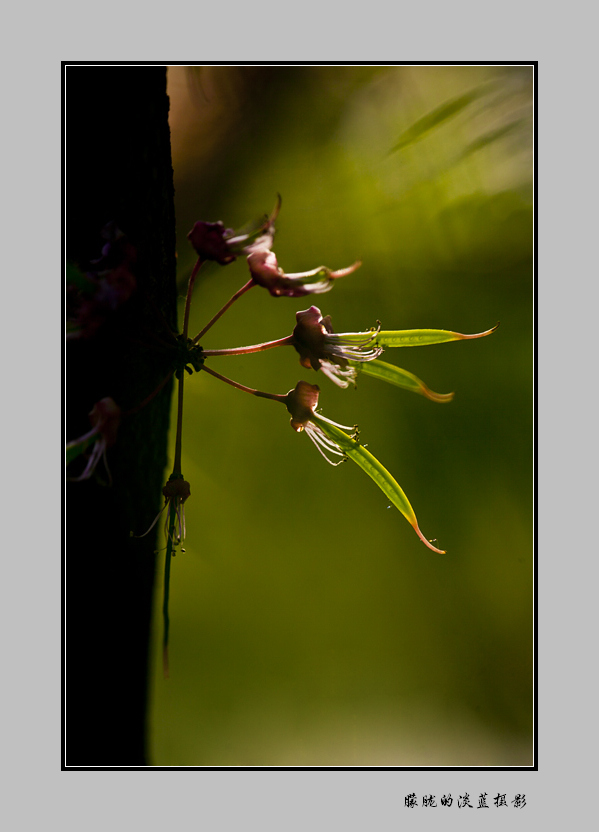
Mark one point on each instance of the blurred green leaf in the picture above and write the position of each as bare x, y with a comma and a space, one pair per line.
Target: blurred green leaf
437, 117
492, 136
400, 378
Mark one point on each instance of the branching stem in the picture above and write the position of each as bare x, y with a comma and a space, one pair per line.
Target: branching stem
232, 300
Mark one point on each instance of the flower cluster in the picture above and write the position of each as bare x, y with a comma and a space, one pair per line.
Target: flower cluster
340, 356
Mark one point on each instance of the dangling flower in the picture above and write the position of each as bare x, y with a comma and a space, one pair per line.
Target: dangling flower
301, 403
322, 349
266, 272
105, 417
212, 241
175, 492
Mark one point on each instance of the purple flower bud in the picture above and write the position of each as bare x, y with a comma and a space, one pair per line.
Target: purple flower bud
210, 242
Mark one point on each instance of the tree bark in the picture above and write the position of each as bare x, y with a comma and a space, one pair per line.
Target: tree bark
118, 171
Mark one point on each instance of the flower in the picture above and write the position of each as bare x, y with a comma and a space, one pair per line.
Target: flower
329, 438
322, 349
301, 403
94, 296
175, 492
266, 272
212, 241
105, 417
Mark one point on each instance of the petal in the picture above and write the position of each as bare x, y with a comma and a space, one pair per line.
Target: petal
424, 337
401, 378
385, 481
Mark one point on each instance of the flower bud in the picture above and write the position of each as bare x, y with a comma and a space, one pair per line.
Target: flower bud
210, 242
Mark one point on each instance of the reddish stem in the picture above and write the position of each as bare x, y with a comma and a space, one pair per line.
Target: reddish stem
177, 462
192, 279
232, 300
274, 396
267, 345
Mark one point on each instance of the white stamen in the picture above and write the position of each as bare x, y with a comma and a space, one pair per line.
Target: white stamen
323, 443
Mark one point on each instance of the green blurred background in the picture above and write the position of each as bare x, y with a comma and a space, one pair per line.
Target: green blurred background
309, 625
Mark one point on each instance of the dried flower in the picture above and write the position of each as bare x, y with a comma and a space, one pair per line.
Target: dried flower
266, 272
322, 349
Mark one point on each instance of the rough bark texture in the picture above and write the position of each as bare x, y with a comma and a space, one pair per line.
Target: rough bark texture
119, 170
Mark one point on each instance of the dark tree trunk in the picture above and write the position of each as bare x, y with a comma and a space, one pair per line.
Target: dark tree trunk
118, 171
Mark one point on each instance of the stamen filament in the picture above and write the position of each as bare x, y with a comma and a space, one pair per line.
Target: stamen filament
318, 438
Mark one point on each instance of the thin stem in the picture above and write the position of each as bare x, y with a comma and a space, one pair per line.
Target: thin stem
232, 300
149, 398
167, 575
172, 518
192, 278
177, 462
274, 396
267, 345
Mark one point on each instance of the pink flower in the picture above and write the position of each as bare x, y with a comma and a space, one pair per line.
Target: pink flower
266, 272
322, 349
